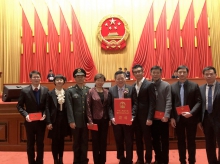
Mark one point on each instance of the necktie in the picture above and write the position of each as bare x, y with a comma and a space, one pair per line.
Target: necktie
37, 95
210, 99
121, 94
182, 94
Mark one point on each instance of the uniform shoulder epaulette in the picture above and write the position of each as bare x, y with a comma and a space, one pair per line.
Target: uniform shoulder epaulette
71, 87
87, 87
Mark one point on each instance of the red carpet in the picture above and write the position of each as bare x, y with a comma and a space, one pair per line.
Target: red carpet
21, 157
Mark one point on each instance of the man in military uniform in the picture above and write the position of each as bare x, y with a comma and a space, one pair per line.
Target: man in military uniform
76, 114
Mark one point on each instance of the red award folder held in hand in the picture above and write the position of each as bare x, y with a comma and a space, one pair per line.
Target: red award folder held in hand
92, 127
35, 116
122, 111
182, 109
158, 114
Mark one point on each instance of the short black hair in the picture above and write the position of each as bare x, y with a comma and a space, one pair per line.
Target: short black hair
99, 76
137, 66
118, 73
34, 72
156, 68
59, 76
183, 67
125, 69
209, 68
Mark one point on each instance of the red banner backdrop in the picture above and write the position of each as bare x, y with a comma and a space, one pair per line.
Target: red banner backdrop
26, 57
44, 52
188, 46
145, 50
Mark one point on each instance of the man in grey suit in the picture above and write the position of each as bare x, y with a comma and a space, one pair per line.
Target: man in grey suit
123, 133
210, 118
77, 118
145, 114
32, 100
185, 92
160, 127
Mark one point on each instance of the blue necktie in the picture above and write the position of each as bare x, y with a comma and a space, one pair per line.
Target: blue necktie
210, 99
182, 94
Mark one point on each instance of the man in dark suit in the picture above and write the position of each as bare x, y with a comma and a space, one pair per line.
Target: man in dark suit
123, 133
127, 74
145, 114
77, 118
185, 92
32, 100
211, 114
50, 76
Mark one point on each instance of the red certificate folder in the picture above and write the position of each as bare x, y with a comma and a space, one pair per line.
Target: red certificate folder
122, 111
158, 115
182, 109
92, 127
35, 116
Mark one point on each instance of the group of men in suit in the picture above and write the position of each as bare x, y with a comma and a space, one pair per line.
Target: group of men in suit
159, 96
147, 97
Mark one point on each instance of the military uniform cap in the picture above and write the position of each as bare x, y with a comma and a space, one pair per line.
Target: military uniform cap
79, 72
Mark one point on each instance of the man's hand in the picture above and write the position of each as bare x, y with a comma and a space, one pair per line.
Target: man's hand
149, 122
130, 123
49, 127
90, 124
73, 125
186, 114
113, 121
164, 119
173, 122
28, 119
44, 116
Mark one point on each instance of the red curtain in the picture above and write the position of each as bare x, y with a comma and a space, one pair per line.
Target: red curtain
52, 57
162, 58
175, 51
64, 56
39, 57
26, 57
81, 56
145, 50
60, 60
202, 32
194, 53
190, 52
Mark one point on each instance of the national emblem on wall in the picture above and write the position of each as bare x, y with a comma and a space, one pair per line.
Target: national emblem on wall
113, 32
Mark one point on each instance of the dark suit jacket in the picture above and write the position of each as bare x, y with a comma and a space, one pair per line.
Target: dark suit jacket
127, 75
113, 93
52, 107
215, 115
192, 97
146, 101
95, 108
76, 105
50, 75
27, 102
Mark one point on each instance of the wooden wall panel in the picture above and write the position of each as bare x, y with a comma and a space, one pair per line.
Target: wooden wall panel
3, 131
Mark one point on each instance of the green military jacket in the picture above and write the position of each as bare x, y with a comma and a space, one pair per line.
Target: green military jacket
76, 105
